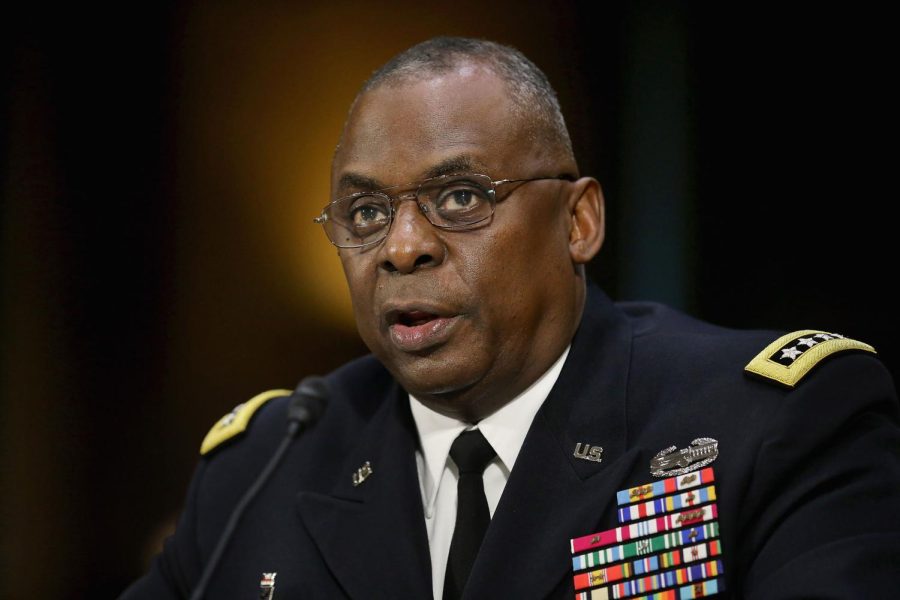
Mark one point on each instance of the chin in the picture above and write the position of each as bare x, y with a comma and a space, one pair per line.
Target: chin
433, 375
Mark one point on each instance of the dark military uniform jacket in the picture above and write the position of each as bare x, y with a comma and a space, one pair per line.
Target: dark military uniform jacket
806, 478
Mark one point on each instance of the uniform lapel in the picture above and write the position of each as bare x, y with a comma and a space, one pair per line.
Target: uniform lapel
372, 536
551, 495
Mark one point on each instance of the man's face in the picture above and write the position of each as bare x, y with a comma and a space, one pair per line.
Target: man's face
465, 320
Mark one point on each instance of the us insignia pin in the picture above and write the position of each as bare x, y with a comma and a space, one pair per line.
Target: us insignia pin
587, 452
673, 461
267, 586
362, 473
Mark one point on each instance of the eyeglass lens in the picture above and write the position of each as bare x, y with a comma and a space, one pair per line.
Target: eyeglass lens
449, 202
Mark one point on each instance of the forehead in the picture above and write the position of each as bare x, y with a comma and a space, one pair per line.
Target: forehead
405, 131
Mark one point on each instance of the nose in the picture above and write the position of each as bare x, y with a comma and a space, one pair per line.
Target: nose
412, 242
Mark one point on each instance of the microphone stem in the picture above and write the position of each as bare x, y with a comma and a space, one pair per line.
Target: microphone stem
238, 512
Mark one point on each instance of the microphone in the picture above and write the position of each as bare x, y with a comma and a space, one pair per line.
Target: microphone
306, 405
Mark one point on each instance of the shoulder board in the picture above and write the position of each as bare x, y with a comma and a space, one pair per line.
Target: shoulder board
237, 420
789, 358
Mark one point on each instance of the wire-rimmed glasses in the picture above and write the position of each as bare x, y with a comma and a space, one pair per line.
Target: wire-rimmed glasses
459, 201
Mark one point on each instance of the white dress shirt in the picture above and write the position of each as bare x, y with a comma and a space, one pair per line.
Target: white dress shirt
505, 430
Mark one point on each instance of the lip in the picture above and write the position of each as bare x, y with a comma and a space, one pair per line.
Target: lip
418, 327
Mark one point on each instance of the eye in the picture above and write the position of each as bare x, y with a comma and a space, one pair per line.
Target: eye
368, 212
461, 198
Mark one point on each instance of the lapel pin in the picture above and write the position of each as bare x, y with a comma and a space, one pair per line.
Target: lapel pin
585, 451
673, 461
362, 473
267, 586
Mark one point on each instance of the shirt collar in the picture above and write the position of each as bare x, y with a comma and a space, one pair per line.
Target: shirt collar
505, 429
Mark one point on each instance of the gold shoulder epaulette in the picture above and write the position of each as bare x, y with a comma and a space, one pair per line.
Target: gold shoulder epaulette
237, 420
789, 358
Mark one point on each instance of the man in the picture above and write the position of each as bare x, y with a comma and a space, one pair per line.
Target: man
463, 226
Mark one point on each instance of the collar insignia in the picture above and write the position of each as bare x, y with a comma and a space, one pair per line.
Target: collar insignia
585, 451
362, 473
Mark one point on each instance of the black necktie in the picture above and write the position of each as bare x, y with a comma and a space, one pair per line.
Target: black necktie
471, 453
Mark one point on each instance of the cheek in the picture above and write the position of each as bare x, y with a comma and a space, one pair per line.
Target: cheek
532, 263
360, 286
499, 270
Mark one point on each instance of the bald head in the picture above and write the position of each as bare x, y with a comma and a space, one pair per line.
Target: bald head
530, 94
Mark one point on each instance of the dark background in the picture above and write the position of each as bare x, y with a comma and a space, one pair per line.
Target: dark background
161, 166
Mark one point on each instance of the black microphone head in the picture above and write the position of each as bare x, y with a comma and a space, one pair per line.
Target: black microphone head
313, 386
308, 401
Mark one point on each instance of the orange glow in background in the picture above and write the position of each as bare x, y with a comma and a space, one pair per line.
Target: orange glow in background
245, 293
262, 100
159, 263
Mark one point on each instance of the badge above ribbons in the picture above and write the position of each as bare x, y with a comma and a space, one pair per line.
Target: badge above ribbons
667, 547
672, 461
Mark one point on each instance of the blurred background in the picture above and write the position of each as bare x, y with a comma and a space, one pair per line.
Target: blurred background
161, 166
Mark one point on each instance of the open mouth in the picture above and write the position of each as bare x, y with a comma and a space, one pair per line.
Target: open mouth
415, 330
415, 318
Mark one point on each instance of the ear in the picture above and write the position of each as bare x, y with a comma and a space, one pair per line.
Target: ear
587, 228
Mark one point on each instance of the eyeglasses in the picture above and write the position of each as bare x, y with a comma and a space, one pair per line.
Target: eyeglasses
448, 202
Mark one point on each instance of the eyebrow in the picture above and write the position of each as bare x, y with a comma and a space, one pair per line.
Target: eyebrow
462, 163
361, 182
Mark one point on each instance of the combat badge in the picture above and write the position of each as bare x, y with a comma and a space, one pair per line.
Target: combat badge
672, 461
